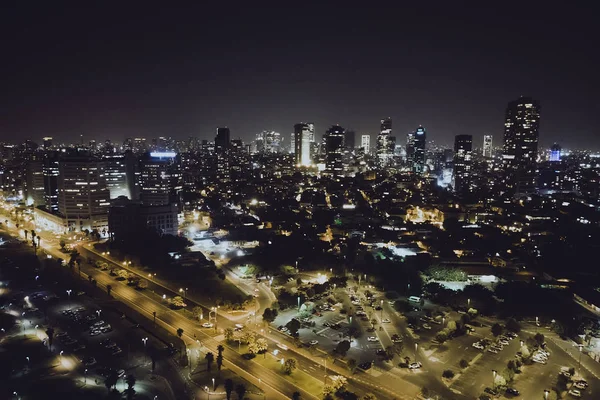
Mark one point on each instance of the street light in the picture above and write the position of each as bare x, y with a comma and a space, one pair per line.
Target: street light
468, 303
145, 352
69, 294
416, 349
580, 351
98, 312
298, 303
213, 379
381, 316
184, 291
546, 393
494, 372
85, 376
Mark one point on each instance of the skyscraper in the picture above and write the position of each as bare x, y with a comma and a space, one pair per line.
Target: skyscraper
302, 142
521, 145
555, 152
463, 145
160, 178
349, 140
385, 143
487, 146
222, 144
365, 143
419, 141
334, 150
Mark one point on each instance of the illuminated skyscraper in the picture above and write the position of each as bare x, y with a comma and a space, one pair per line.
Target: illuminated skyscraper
302, 143
555, 152
386, 143
365, 143
487, 146
160, 178
521, 145
222, 145
334, 150
463, 146
418, 145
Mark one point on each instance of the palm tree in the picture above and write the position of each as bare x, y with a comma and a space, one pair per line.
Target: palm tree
50, 333
111, 380
108, 289
296, 396
228, 388
210, 357
180, 332
241, 391
130, 384
26, 232
220, 349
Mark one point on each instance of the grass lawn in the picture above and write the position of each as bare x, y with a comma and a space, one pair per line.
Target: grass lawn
311, 384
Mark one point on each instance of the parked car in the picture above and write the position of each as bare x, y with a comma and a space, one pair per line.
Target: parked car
478, 345
512, 391
365, 365
89, 361
372, 339
415, 365
492, 350
426, 326
313, 342
575, 393
385, 321
491, 391
207, 325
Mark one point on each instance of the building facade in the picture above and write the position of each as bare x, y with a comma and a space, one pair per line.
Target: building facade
463, 147
487, 146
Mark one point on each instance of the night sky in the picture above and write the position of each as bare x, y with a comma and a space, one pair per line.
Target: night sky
132, 69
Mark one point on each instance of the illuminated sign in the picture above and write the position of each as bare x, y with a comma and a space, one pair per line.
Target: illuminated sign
161, 154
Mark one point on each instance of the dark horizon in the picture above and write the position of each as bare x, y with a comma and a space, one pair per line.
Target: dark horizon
117, 72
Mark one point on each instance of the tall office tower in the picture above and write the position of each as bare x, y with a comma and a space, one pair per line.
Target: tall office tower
410, 149
349, 140
34, 181
302, 136
334, 150
365, 143
418, 159
47, 142
160, 178
463, 146
487, 146
272, 141
385, 143
83, 198
115, 174
521, 145
222, 144
50, 172
555, 152
311, 132
293, 143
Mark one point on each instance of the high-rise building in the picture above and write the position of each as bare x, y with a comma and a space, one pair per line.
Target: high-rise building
463, 146
115, 172
302, 143
385, 143
521, 145
34, 181
47, 142
268, 142
555, 152
365, 143
160, 178
222, 139
83, 197
293, 143
222, 144
334, 150
487, 146
410, 149
311, 132
51, 171
418, 149
349, 140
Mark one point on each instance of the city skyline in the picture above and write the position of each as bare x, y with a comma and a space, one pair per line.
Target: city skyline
125, 77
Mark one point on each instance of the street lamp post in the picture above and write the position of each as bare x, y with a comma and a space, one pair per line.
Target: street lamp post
468, 304
416, 349
69, 294
298, 303
494, 373
145, 352
381, 313
213, 380
580, 351
546, 393
184, 291
85, 377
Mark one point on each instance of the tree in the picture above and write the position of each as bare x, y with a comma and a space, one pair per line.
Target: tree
209, 357
219, 362
228, 388
50, 333
442, 336
539, 339
525, 353
511, 365
130, 384
290, 365
512, 325
220, 349
463, 363
296, 396
269, 315
241, 391
499, 381
342, 347
197, 311
111, 380
108, 289
451, 326
228, 333
351, 364
179, 332
497, 329
261, 346
448, 374
293, 326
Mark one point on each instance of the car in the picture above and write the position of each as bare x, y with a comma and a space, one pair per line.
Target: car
95, 332
313, 342
484, 397
89, 361
99, 323
121, 373
282, 346
478, 345
326, 324
372, 339
106, 328
582, 382
512, 391
238, 327
580, 385
491, 391
415, 365
61, 334
108, 344
492, 350
385, 321
435, 321
538, 360
566, 373
378, 308
381, 352
396, 338
575, 393
116, 351
207, 325
365, 365
503, 342
424, 319
370, 329
427, 326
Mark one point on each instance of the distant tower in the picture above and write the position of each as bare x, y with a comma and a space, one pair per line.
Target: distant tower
293, 143
385, 143
334, 150
521, 134
463, 146
365, 143
487, 146
555, 152
47, 142
222, 144
302, 137
420, 137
